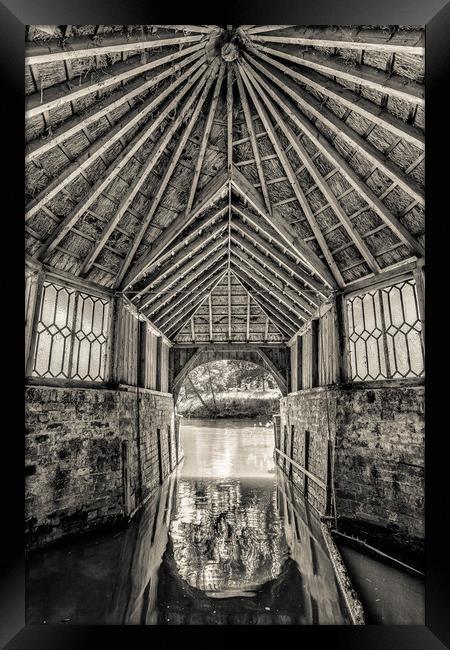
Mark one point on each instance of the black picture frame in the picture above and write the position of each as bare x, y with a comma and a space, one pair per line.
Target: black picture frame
435, 15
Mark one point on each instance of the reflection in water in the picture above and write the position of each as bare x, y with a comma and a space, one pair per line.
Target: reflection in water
225, 541
227, 536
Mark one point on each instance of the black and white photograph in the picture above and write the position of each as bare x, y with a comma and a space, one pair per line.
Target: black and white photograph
224, 273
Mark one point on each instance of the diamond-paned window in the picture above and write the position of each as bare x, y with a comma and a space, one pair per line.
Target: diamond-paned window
385, 333
72, 335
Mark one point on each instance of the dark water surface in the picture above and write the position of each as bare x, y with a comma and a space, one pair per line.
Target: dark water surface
225, 541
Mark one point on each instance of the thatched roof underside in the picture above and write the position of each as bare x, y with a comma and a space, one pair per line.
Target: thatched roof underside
194, 166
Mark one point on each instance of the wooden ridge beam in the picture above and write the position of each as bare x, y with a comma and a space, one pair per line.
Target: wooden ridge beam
158, 292
202, 86
341, 129
105, 142
338, 161
276, 221
275, 270
87, 47
205, 138
284, 295
356, 103
270, 309
362, 75
100, 109
292, 178
210, 193
316, 291
295, 314
182, 301
171, 165
252, 134
321, 183
68, 91
352, 38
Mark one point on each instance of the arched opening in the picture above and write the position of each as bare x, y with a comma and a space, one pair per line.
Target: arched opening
229, 388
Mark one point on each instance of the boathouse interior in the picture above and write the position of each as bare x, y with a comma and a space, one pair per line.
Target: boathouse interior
201, 192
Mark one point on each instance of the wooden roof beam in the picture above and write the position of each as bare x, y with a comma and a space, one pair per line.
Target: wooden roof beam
315, 290
155, 291
341, 129
321, 183
291, 310
356, 103
175, 157
102, 108
277, 221
193, 304
266, 261
252, 134
203, 86
57, 96
205, 138
185, 242
107, 44
215, 252
184, 300
352, 38
293, 179
362, 75
180, 258
344, 168
101, 146
270, 309
217, 187
266, 279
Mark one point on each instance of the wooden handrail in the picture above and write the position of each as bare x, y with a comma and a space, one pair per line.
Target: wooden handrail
302, 469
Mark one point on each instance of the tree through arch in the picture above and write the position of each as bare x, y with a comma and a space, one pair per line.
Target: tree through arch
274, 360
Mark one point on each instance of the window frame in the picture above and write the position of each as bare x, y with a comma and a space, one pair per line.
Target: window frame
416, 276
78, 288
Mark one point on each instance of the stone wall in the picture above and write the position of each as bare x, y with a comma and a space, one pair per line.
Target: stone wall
377, 432
91, 456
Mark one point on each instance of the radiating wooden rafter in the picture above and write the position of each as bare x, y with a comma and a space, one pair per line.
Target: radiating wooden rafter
292, 89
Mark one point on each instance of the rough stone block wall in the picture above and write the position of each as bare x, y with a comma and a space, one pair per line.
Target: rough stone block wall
379, 464
378, 439
74, 471
309, 410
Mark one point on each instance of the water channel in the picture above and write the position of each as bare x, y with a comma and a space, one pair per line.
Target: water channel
226, 540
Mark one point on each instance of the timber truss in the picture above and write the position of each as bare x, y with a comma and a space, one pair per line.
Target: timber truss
227, 181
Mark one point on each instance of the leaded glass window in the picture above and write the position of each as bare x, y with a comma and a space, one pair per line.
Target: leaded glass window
72, 334
385, 333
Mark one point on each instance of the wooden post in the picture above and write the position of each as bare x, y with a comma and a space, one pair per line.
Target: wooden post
314, 352
299, 363
142, 354
158, 362
343, 373
32, 320
419, 278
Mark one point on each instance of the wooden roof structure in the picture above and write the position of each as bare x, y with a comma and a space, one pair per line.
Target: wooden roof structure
227, 179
